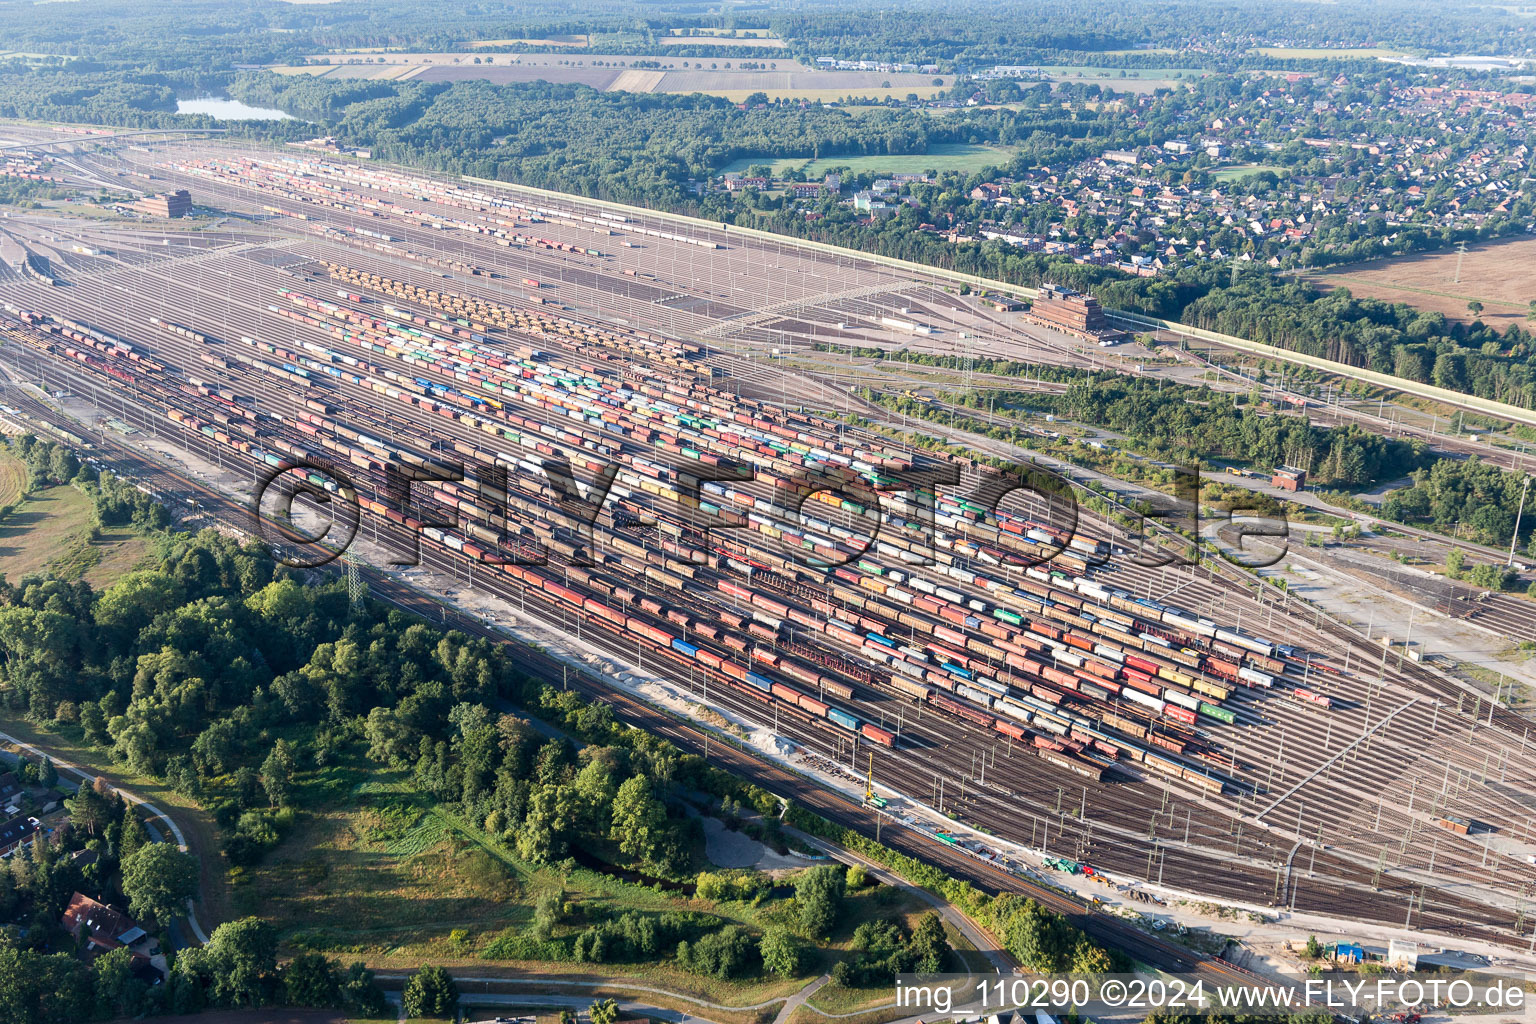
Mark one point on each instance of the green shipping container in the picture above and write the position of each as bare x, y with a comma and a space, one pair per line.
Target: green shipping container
1220, 714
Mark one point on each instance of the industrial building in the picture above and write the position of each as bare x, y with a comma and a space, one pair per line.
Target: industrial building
1075, 313
166, 204
1289, 478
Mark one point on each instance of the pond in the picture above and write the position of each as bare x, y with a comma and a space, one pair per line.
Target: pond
230, 110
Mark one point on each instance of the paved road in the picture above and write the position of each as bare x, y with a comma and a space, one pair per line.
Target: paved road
468, 994
797, 1000
578, 1003
155, 813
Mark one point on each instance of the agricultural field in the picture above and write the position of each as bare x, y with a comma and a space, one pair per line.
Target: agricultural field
1068, 72
13, 480
823, 95
950, 157
1132, 80
1497, 274
1326, 53
749, 37
825, 86
572, 40
612, 73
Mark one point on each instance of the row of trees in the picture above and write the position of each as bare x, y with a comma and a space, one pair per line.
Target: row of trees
1194, 425
1041, 939
238, 968
204, 33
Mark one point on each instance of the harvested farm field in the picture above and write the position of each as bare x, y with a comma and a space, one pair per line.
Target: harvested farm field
611, 72
1497, 274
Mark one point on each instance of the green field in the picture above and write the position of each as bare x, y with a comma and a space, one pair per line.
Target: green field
1237, 171
1323, 53
378, 870
953, 157
1070, 71
13, 480
50, 532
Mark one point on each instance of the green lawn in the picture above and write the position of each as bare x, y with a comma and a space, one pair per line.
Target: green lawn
1237, 171
950, 157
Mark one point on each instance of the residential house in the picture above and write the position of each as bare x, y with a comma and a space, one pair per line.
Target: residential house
103, 928
17, 832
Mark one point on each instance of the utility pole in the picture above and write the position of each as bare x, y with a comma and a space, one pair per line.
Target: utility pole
1515, 537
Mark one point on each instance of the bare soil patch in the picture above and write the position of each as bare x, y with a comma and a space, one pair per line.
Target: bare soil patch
1501, 275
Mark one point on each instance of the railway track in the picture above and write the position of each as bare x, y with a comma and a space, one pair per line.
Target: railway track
1259, 767
825, 801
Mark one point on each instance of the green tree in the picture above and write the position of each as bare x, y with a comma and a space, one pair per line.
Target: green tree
639, 821
431, 993
782, 953
360, 993
604, 1011
1474, 307
720, 954
133, 837
93, 723
818, 896
62, 465
309, 979
117, 992
241, 962
158, 880
929, 945
43, 989
547, 827
277, 774
1090, 958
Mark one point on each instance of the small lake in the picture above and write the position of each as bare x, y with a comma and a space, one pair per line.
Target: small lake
230, 110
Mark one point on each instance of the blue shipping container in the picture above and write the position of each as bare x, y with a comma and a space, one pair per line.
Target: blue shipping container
761, 682
843, 718
688, 649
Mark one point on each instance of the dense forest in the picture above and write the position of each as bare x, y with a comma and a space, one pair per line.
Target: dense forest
1198, 424
205, 33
